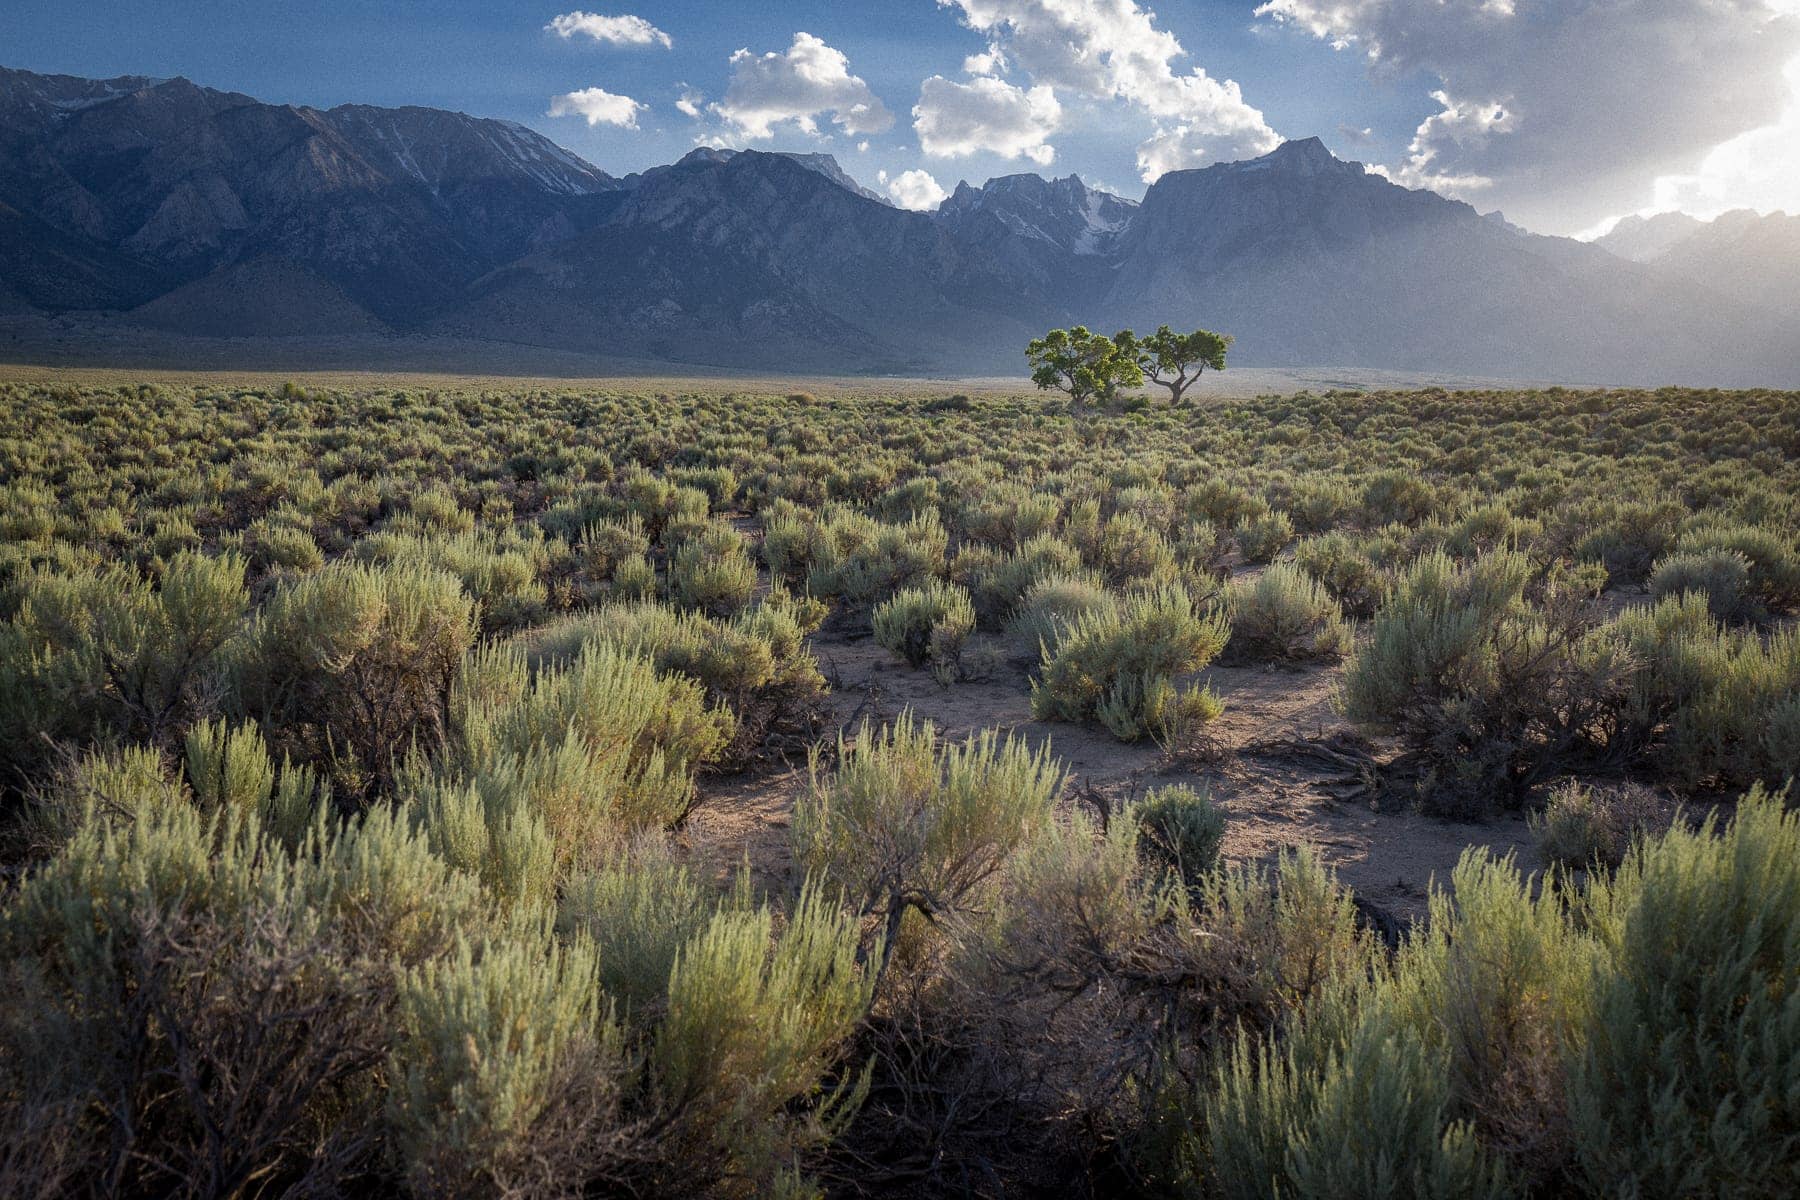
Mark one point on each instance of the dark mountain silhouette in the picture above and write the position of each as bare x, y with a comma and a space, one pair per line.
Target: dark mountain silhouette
137, 203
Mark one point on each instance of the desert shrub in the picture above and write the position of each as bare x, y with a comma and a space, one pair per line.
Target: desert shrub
1008, 516
272, 547
926, 625
1456, 1047
1627, 539
903, 824
864, 560
1582, 825
1709, 706
1054, 603
998, 581
1681, 1082
352, 666
633, 579
1770, 557
1490, 690
712, 573
1117, 667
1397, 497
502, 573
1260, 539
600, 745
1180, 832
1126, 550
757, 664
1203, 547
1318, 505
510, 1076
113, 653
202, 1004
1721, 576
1344, 569
1285, 616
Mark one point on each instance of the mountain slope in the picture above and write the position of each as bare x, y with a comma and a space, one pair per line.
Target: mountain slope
179, 208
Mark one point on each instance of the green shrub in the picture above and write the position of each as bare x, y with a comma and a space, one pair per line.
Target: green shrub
1681, 1082
902, 824
926, 625
1490, 691
712, 573
1721, 576
1344, 569
1053, 604
502, 573
509, 1076
864, 560
1581, 826
352, 666
1260, 539
1285, 616
1117, 667
1181, 831
1772, 563
1397, 497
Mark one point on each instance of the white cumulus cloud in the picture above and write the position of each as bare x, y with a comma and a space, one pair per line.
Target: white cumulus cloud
914, 189
1114, 50
954, 120
598, 106
799, 85
624, 30
1564, 112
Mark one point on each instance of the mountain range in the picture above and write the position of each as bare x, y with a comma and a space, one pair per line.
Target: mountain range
158, 205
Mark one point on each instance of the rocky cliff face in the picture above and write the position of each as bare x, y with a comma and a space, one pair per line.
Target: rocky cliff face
196, 211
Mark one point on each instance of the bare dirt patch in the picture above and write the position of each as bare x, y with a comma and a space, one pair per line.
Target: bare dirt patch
1275, 797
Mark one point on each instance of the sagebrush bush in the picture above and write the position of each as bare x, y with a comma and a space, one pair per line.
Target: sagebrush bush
1053, 604
1285, 616
926, 625
712, 573
1581, 826
1721, 576
1117, 666
1260, 539
352, 666
1181, 831
1490, 690
902, 823
1681, 1080
1344, 568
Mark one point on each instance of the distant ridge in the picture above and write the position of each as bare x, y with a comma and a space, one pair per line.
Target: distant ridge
160, 204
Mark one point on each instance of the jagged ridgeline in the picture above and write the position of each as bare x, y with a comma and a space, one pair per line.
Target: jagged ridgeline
524, 790
162, 206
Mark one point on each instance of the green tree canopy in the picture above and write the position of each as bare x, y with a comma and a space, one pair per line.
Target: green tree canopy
1090, 367
1176, 360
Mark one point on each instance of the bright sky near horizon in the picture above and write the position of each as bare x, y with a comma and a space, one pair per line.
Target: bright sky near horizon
1565, 114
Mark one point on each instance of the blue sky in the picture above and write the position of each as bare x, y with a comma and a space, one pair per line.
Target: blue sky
1486, 117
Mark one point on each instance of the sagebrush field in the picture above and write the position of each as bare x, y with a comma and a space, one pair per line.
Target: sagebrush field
540, 790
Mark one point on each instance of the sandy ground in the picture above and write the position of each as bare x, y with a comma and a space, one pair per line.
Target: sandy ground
1273, 801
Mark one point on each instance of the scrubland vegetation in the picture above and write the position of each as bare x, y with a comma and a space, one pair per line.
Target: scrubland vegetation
348, 739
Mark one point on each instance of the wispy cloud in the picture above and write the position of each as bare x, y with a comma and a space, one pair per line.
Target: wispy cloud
623, 30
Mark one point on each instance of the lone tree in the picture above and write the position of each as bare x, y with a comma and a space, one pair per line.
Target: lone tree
1090, 367
1176, 360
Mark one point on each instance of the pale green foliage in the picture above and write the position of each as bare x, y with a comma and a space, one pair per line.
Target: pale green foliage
1181, 831
864, 560
1285, 616
926, 625
1772, 562
1722, 576
603, 744
114, 652
998, 581
1055, 602
1683, 1082
1260, 539
639, 907
712, 572
502, 572
901, 822
352, 666
1117, 666
1581, 826
752, 1022
509, 1074
229, 767
1344, 568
